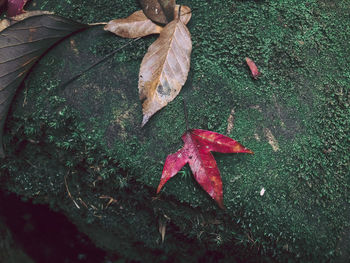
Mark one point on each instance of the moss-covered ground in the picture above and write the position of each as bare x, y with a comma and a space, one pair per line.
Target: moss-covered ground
295, 117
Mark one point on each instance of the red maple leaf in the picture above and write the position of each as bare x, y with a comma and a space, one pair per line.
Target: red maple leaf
197, 153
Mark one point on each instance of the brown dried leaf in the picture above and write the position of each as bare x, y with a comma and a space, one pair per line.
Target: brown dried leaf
160, 11
164, 68
138, 25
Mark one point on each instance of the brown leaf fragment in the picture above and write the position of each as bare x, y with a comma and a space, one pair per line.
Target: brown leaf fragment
13, 20
138, 25
4, 23
28, 14
164, 68
230, 122
160, 11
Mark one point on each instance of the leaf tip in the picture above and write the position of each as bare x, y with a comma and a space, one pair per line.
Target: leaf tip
160, 187
220, 203
145, 120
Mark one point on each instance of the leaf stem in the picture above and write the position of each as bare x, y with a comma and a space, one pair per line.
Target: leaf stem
98, 24
179, 13
98, 62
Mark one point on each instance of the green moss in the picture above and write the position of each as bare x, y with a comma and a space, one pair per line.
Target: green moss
90, 129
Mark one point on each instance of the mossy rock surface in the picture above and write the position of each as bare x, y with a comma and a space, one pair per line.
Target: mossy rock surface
295, 117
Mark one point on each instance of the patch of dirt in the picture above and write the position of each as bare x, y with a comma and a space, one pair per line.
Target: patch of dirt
271, 139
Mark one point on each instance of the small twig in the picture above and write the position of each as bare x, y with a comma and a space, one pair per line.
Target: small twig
69, 194
250, 237
111, 200
98, 216
31, 164
94, 207
186, 116
81, 201
98, 62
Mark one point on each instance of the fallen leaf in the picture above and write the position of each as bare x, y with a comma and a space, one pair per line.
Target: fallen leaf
138, 25
15, 7
253, 68
21, 45
197, 153
164, 68
160, 11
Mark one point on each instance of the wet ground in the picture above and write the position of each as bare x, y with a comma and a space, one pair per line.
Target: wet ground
45, 235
